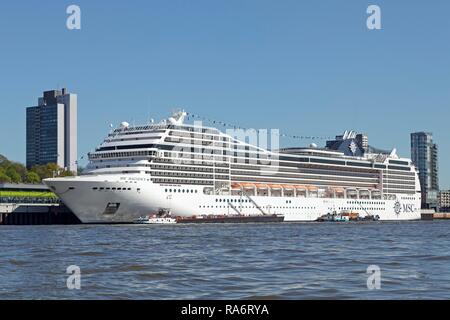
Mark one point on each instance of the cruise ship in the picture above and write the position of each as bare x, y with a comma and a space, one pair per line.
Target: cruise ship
186, 170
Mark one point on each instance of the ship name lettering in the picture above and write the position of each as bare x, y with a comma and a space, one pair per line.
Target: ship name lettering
408, 207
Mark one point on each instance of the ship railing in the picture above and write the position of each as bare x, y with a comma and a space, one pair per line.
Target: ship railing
29, 200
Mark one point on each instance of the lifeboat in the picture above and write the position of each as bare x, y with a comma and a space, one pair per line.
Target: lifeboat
313, 188
262, 186
338, 190
247, 185
299, 187
288, 187
236, 186
275, 186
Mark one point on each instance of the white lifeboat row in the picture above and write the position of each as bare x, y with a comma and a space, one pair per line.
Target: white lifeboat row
286, 187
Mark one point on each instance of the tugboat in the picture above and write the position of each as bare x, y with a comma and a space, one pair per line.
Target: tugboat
352, 216
163, 217
369, 218
155, 220
334, 217
347, 216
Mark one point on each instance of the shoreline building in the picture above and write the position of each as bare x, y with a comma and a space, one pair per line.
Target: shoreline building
444, 201
52, 130
424, 154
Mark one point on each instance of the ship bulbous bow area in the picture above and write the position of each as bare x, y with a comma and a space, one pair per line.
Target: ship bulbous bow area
100, 199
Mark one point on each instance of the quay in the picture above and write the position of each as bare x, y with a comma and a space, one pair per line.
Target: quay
23, 204
432, 215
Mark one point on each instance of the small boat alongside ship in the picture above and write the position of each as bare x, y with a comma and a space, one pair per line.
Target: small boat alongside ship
163, 216
210, 219
329, 217
346, 216
155, 220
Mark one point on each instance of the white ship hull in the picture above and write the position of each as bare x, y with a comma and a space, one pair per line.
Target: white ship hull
140, 197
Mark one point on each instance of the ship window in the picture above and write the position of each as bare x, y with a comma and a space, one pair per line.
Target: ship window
404, 163
326, 161
359, 164
95, 188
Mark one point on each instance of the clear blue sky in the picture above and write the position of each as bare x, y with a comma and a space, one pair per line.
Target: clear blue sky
306, 67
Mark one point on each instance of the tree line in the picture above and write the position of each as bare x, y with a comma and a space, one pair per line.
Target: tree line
15, 172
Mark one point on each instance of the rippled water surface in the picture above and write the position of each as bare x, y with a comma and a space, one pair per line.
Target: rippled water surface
251, 261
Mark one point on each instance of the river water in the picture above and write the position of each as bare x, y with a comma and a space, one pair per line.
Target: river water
227, 261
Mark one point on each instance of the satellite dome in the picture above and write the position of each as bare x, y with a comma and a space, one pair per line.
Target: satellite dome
124, 125
313, 145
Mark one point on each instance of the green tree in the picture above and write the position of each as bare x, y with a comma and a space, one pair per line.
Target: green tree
65, 173
46, 171
39, 170
16, 172
3, 177
21, 170
13, 175
50, 170
12, 169
32, 177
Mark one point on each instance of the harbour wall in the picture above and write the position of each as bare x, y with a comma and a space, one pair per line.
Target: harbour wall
32, 214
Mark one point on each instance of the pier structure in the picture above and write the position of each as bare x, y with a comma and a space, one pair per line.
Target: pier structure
22, 204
